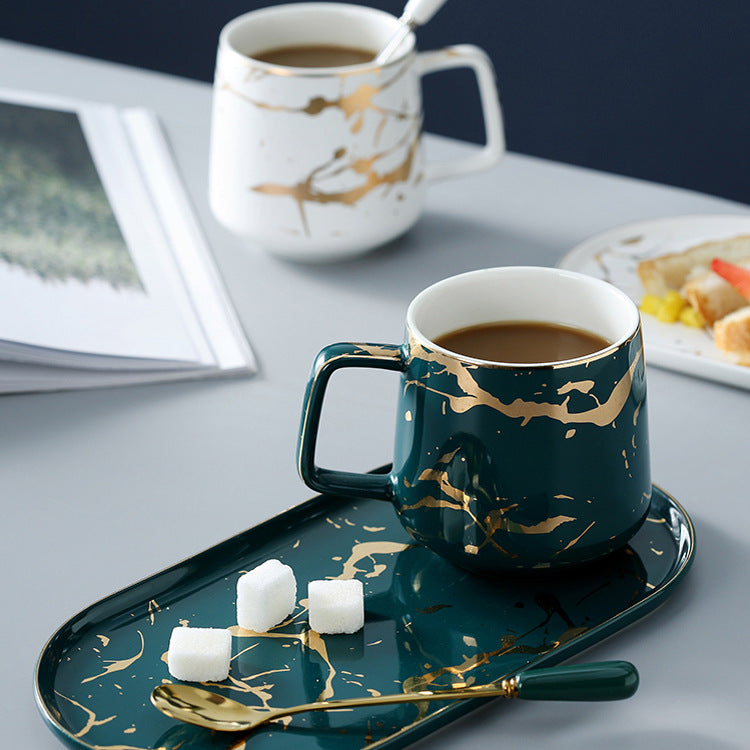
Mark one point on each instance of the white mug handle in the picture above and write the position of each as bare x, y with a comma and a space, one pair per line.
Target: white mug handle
468, 56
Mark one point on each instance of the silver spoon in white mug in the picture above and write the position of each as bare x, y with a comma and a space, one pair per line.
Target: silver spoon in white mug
416, 13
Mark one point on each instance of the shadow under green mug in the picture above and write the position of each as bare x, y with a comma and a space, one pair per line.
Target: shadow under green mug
502, 466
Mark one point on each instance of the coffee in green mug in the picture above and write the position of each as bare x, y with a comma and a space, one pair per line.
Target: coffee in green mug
504, 466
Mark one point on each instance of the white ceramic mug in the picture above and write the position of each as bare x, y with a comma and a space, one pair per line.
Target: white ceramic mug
324, 163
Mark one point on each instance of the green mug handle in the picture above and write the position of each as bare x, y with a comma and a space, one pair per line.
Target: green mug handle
330, 359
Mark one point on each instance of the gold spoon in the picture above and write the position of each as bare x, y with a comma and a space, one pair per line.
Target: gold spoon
608, 680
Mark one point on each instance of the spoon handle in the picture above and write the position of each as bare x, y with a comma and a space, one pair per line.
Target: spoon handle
598, 681
419, 12
416, 13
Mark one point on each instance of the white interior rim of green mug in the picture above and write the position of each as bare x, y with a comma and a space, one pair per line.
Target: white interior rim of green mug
523, 293
292, 24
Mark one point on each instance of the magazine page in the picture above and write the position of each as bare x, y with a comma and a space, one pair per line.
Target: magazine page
191, 254
89, 276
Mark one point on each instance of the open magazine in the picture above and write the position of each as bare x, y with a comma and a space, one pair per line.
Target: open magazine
105, 275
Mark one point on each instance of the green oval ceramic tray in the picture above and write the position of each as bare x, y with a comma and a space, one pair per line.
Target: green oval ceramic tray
427, 624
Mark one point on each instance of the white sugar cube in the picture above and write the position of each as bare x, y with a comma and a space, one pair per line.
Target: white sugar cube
336, 606
199, 654
265, 596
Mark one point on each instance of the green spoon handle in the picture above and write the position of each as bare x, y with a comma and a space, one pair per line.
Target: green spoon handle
601, 681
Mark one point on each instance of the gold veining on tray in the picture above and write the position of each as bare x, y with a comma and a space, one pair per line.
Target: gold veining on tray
318, 644
366, 550
119, 664
306, 639
244, 651
509, 644
91, 720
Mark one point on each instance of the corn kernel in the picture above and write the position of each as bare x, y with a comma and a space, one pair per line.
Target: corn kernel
671, 307
691, 317
650, 304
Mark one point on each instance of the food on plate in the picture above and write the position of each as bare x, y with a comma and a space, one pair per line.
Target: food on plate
732, 336
712, 296
670, 308
737, 276
705, 285
672, 270
199, 654
732, 332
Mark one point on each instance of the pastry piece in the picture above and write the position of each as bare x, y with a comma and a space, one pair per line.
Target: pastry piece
672, 270
732, 336
714, 297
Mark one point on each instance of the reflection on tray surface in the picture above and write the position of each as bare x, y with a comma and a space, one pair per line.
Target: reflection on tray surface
428, 624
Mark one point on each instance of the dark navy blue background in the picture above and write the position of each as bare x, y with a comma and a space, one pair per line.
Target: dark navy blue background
657, 89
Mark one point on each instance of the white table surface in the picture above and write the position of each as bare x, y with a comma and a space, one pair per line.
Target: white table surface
102, 488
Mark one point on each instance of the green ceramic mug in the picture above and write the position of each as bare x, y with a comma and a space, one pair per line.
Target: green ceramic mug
501, 466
